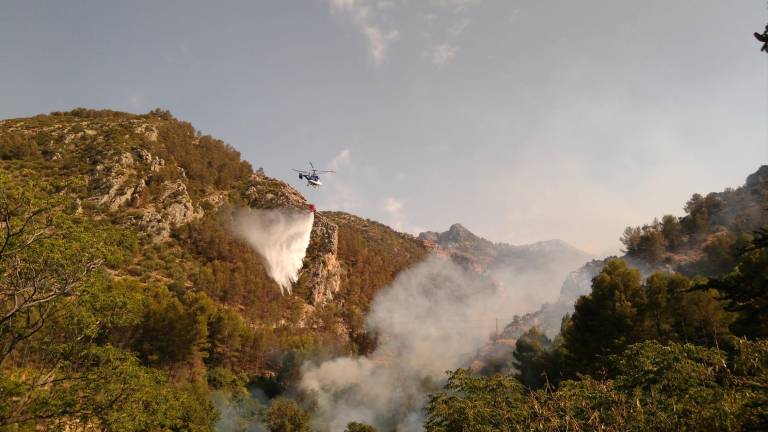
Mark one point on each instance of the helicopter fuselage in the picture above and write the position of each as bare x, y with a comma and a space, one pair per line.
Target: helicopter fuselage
312, 179
312, 176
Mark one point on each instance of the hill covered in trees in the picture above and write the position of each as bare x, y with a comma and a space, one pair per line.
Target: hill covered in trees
126, 299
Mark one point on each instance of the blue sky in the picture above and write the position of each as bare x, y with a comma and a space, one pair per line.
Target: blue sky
523, 120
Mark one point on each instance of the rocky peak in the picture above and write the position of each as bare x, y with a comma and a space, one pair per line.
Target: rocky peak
267, 193
457, 238
758, 177
458, 234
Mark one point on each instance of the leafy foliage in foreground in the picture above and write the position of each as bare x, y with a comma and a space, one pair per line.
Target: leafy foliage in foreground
656, 387
745, 290
66, 324
620, 311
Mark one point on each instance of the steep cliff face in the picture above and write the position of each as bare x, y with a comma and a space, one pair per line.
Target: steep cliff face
321, 273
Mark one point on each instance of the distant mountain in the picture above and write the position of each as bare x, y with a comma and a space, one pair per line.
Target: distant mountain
461, 242
533, 272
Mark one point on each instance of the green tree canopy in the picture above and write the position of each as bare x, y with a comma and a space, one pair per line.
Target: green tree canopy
656, 387
285, 415
605, 321
745, 290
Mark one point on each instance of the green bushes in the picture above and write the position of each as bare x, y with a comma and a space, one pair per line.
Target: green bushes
285, 415
68, 324
15, 145
207, 162
655, 387
620, 311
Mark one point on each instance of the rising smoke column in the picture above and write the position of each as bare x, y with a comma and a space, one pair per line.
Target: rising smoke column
280, 237
434, 317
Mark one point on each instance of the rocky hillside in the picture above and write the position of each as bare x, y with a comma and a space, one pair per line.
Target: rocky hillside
176, 190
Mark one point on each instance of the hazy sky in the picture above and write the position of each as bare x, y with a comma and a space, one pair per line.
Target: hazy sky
523, 120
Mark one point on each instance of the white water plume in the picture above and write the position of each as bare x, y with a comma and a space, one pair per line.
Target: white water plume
433, 318
280, 237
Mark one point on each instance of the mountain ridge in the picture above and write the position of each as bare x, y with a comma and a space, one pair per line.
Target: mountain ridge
482, 254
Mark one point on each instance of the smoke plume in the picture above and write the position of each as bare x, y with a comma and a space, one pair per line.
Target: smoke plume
280, 237
433, 318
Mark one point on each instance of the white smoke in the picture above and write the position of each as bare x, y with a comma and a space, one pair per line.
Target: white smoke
239, 412
433, 318
280, 237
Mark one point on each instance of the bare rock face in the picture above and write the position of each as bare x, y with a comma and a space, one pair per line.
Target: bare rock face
119, 181
174, 208
322, 272
149, 131
123, 182
267, 193
465, 247
155, 163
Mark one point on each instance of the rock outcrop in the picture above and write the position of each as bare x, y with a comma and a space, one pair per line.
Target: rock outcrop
320, 275
321, 271
123, 182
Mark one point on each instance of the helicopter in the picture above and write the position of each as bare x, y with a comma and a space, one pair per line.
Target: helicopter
312, 176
